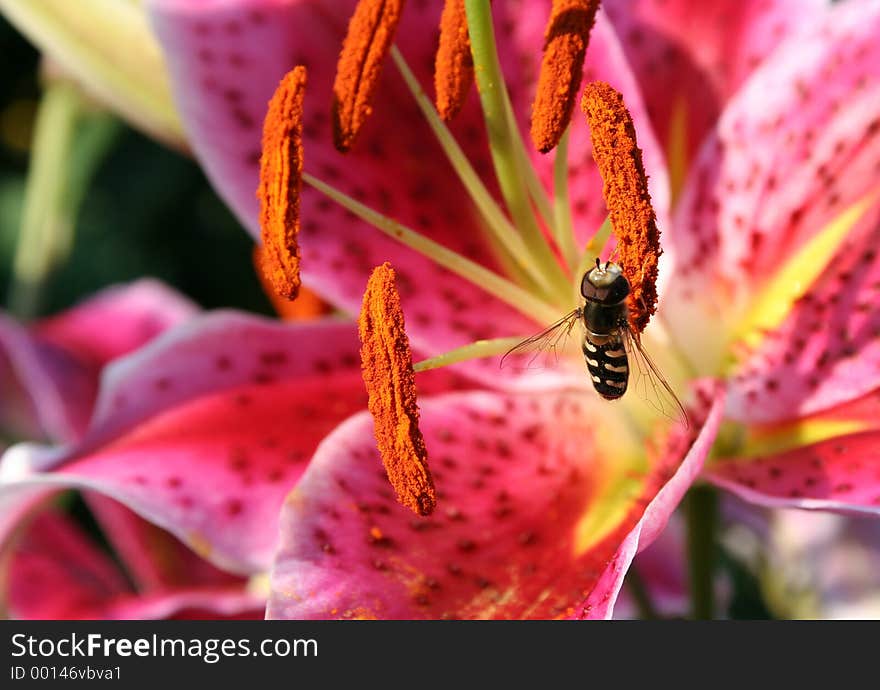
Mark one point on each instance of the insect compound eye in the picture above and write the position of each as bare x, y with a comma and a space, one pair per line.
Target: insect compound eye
605, 284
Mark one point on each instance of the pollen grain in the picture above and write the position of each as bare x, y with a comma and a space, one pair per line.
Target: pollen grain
386, 361
625, 188
281, 164
565, 45
370, 34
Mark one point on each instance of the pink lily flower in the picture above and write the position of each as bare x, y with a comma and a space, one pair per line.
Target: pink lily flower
803, 84
546, 495
628, 500
51, 375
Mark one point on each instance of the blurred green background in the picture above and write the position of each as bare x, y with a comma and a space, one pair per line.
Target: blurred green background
148, 212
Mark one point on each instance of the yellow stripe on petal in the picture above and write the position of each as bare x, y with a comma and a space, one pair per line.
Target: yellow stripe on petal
608, 510
797, 275
619, 481
806, 432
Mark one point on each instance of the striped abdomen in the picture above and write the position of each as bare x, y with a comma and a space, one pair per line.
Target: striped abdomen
608, 365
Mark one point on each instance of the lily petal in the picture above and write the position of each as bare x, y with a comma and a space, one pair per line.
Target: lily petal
690, 58
51, 368
217, 352
814, 105
45, 392
117, 320
744, 213
827, 351
839, 475
534, 501
56, 572
204, 431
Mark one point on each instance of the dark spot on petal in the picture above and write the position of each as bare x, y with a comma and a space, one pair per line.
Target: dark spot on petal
466, 545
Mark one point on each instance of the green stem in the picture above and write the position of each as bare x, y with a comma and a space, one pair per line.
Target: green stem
475, 350
69, 143
563, 224
701, 508
503, 140
533, 184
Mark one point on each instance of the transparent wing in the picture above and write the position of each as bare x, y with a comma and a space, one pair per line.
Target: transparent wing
649, 383
541, 351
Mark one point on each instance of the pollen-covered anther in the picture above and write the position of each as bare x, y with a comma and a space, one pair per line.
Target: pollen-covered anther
625, 188
370, 35
386, 361
565, 45
454, 64
281, 165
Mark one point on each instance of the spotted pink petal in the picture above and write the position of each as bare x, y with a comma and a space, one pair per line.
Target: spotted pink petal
204, 431
56, 572
220, 351
840, 475
691, 57
518, 479
51, 368
117, 320
827, 351
795, 147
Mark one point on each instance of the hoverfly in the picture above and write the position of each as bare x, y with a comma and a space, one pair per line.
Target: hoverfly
609, 343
